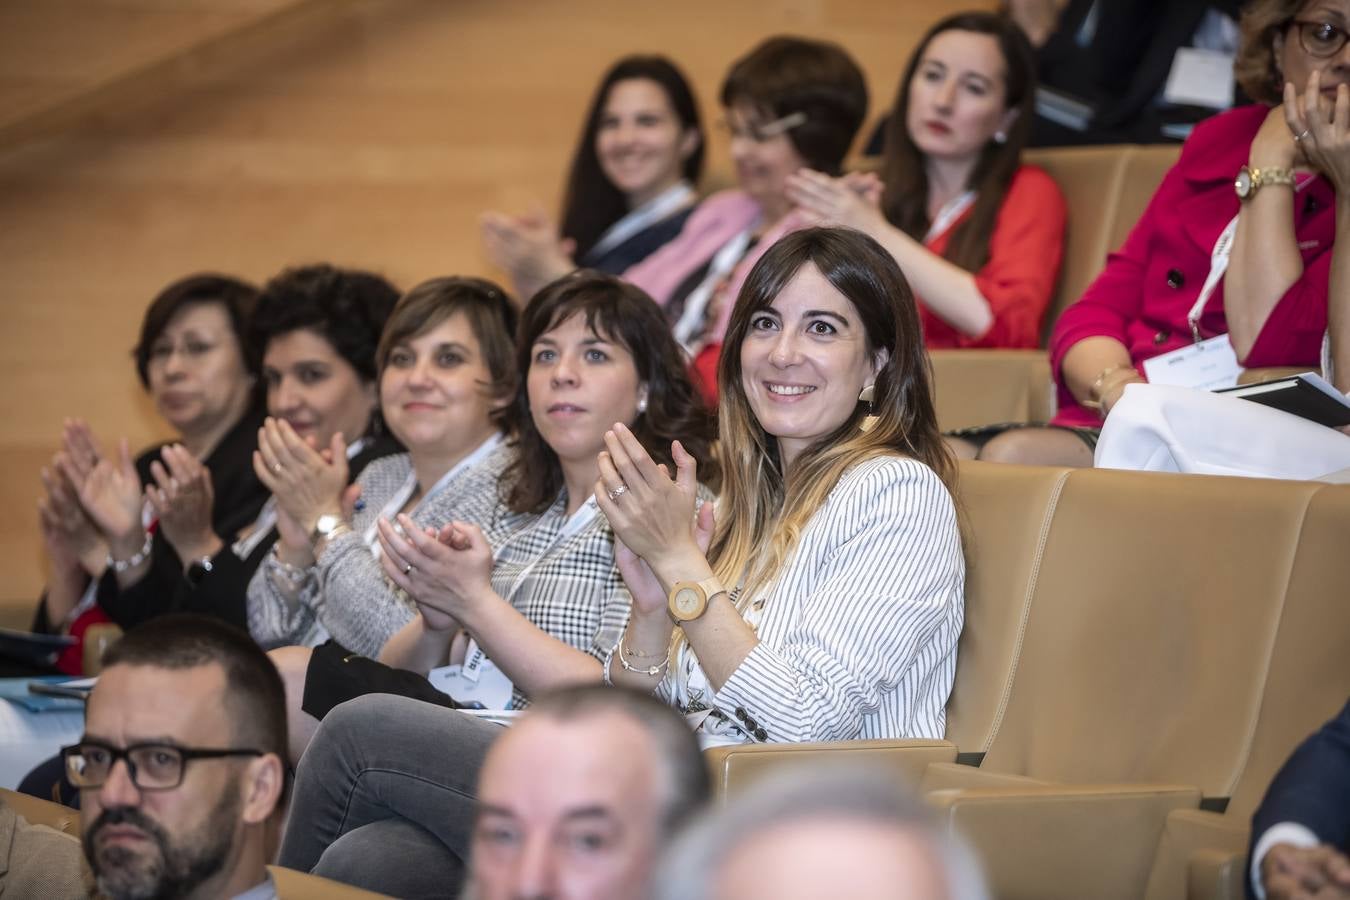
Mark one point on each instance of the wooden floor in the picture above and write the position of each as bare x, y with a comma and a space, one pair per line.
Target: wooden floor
144, 139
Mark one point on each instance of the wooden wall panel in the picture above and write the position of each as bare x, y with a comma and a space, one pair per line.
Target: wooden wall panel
247, 135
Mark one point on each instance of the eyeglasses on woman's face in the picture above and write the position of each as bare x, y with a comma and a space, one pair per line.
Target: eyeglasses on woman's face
1318, 39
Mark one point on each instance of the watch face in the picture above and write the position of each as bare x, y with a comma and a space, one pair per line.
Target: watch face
687, 602
1243, 183
326, 524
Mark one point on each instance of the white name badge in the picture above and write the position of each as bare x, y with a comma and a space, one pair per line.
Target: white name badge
488, 688
1200, 78
1207, 365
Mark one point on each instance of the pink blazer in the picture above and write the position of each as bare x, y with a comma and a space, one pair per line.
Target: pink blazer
716, 221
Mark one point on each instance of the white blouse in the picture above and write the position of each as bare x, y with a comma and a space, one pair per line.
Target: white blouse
857, 635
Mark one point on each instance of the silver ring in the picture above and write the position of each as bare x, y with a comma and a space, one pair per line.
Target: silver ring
614, 494
407, 568
1299, 137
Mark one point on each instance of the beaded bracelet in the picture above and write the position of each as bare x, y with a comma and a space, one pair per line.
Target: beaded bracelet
627, 667
140, 556
294, 574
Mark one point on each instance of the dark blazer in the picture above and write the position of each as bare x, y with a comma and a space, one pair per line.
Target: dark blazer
224, 590
1312, 788
239, 496
1122, 69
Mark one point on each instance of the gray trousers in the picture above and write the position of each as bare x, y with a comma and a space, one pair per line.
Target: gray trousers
379, 758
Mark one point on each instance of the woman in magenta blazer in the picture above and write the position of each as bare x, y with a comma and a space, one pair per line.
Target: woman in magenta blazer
1277, 225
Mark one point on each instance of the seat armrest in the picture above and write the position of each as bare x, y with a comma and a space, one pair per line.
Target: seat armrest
293, 885
738, 765
1218, 875
43, 812
950, 776
1057, 842
1189, 836
985, 387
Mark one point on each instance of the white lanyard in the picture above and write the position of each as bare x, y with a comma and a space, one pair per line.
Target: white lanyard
1218, 266
267, 516
575, 524
669, 201
691, 321
1328, 370
951, 211
400, 497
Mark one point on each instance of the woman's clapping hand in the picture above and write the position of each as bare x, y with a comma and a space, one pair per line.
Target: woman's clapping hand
853, 201
183, 498
650, 512
306, 483
443, 571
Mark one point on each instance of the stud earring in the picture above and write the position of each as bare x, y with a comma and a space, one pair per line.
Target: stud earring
1000, 137
642, 404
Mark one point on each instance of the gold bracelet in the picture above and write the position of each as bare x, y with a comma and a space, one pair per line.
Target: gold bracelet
651, 672
1094, 400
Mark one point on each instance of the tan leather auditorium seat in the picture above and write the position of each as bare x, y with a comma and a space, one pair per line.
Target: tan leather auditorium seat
1134, 643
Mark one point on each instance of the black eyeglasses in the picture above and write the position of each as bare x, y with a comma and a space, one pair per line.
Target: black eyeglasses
1320, 39
153, 767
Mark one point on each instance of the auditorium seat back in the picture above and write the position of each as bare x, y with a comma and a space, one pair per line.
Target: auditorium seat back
1007, 512
1090, 179
1153, 617
1307, 679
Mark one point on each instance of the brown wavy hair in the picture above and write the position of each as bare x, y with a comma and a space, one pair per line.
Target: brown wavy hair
622, 313
1256, 69
905, 198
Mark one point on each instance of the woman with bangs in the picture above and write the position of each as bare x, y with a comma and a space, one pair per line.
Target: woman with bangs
527, 599
631, 186
825, 599
444, 360
978, 234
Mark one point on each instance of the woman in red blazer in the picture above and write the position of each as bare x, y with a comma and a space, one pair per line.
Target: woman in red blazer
978, 235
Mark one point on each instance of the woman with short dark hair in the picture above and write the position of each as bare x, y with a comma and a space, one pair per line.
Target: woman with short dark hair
789, 103
104, 518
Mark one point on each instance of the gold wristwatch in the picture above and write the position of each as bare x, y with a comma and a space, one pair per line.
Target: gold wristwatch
1251, 179
689, 599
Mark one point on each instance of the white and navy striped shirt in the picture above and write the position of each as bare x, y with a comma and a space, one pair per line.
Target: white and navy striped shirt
857, 634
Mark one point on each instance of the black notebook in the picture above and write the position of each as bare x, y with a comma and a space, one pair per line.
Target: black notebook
1307, 395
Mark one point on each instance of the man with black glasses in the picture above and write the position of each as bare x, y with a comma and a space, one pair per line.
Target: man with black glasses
180, 768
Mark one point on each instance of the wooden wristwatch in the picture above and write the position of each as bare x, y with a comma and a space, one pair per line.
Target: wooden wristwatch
689, 599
